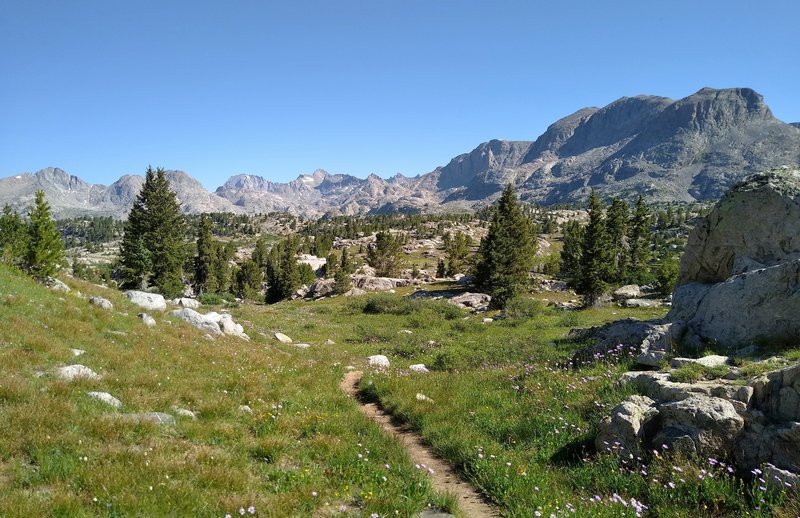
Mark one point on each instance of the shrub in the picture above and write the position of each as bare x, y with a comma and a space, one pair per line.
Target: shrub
523, 307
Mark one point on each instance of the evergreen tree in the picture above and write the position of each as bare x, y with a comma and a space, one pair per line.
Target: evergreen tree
45, 251
248, 278
152, 249
282, 272
456, 248
506, 253
639, 243
616, 228
441, 269
346, 264
260, 252
13, 237
384, 254
594, 265
331, 265
571, 252
204, 261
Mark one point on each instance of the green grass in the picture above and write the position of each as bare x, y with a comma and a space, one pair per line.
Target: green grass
505, 414
692, 372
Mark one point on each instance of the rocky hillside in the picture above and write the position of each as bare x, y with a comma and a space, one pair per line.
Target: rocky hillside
694, 148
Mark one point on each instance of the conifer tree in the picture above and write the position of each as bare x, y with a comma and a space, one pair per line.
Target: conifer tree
346, 264
384, 254
639, 243
204, 261
570, 265
247, 278
506, 253
616, 228
441, 269
152, 249
594, 265
45, 252
13, 237
282, 272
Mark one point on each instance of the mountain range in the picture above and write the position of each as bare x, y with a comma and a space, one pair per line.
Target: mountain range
690, 149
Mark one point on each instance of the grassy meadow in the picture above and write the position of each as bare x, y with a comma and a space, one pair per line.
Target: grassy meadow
506, 409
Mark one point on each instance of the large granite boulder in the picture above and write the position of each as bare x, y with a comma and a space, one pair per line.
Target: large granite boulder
321, 288
151, 301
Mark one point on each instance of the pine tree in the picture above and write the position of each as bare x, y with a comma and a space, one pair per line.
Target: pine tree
203, 262
346, 264
152, 249
441, 269
456, 248
594, 265
13, 238
639, 243
570, 265
384, 254
616, 228
45, 251
506, 253
282, 272
247, 278
260, 252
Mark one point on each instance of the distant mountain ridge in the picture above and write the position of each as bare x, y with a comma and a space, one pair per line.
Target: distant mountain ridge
694, 148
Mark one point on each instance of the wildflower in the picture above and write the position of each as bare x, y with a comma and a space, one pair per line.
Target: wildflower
241, 511
251, 509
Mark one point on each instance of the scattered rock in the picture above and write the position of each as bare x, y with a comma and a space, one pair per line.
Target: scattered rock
183, 412
706, 361
77, 371
699, 424
405, 332
651, 358
282, 338
418, 367
329, 342
321, 288
378, 360
378, 283
202, 322
101, 303
147, 319
57, 285
187, 302
106, 398
302, 345
487, 320
629, 291
77, 352
640, 303
423, 397
301, 293
625, 426
245, 409
354, 292
151, 301
474, 301
159, 418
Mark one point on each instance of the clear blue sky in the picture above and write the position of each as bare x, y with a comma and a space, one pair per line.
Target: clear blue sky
104, 88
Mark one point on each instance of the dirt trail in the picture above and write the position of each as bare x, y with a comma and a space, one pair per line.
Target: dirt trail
444, 477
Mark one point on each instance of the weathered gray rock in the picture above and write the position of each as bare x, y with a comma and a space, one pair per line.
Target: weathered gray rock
418, 367
101, 303
474, 301
378, 360
245, 409
106, 398
770, 295
651, 358
302, 345
282, 338
151, 301
713, 360
625, 426
77, 352
301, 293
756, 224
228, 326
202, 322
77, 371
701, 424
354, 292
57, 285
640, 303
629, 291
328, 342
157, 418
378, 283
187, 302
321, 288
184, 412
147, 319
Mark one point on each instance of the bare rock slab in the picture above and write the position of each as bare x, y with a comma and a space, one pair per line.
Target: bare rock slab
151, 301
77, 371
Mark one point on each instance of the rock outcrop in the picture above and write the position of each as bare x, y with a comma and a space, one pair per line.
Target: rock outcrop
143, 299
213, 323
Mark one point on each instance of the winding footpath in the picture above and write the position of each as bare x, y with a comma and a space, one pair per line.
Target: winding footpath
444, 478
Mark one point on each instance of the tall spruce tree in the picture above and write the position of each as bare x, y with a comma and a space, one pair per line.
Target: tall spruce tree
13, 237
506, 253
45, 252
570, 264
384, 254
594, 266
152, 249
203, 262
617, 228
282, 272
639, 244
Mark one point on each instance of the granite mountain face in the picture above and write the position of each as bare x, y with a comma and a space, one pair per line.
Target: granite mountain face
691, 149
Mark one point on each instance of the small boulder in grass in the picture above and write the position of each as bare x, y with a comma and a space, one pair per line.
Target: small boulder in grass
378, 360
101, 303
106, 398
418, 367
302, 345
77, 371
147, 319
422, 397
282, 338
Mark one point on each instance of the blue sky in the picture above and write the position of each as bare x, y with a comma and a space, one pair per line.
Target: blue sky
104, 88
